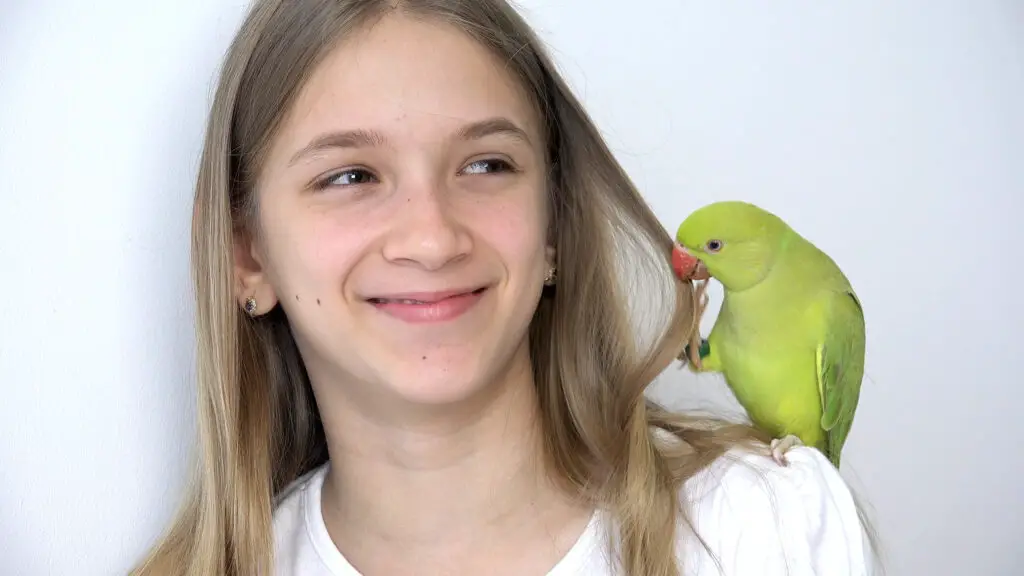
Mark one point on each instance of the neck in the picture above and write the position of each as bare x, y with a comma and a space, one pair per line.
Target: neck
438, 480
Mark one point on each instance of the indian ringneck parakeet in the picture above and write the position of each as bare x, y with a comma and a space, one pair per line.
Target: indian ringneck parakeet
789, 337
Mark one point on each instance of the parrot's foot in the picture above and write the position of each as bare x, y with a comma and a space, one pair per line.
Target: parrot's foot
781, 445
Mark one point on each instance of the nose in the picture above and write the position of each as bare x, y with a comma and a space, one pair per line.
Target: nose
427, 230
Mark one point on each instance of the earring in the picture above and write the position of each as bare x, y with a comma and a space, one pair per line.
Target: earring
549, 280
250, 306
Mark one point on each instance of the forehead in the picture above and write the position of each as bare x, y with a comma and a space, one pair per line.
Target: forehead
402, 75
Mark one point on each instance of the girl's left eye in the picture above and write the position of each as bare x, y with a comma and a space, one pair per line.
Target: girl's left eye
488, 165
345, 178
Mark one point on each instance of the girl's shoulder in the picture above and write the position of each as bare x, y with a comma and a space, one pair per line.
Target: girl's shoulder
758, 517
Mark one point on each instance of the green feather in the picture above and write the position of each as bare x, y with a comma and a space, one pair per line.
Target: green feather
840, 367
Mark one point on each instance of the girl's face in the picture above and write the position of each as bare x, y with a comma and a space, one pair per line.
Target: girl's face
403, 216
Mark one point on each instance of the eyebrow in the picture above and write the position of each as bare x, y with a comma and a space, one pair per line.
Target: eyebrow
491, 127
370, 138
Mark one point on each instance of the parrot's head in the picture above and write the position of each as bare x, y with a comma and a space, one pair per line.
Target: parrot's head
733, 242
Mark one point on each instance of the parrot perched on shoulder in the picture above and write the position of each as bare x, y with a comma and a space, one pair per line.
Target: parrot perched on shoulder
789, 337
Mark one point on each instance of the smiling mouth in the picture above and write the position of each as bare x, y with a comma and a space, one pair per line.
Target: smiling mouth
426, 298
428, 307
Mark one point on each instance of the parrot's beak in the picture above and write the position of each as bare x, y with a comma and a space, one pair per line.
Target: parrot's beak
687, 266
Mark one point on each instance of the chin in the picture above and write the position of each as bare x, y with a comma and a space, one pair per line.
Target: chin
449, 375
437, 382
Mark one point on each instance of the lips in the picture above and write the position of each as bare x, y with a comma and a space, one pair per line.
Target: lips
424, 297
426, 307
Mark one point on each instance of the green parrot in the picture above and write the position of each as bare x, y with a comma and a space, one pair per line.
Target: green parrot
789, 338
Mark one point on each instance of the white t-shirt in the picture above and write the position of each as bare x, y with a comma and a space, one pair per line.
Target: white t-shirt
758, 519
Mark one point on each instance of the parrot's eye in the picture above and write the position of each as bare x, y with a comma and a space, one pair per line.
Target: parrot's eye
714, 245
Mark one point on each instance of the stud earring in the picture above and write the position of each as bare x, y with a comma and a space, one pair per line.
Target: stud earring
549, 280
250, 306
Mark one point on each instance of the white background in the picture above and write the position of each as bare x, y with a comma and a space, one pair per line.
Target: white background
886, 132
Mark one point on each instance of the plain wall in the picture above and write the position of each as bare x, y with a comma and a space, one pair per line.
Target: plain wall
891, 134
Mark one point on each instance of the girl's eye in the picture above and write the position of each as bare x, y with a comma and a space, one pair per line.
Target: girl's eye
488, 165
351, 177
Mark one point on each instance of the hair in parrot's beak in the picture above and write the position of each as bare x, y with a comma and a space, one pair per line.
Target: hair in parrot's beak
690, 269
700, 272
686, 265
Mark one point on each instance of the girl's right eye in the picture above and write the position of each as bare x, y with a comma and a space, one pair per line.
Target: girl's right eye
350, 177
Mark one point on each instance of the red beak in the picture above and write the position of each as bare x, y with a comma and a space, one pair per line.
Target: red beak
687, 266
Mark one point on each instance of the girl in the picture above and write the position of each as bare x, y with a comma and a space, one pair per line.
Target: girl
416, 355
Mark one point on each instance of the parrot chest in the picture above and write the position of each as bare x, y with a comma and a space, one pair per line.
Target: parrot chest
767, 353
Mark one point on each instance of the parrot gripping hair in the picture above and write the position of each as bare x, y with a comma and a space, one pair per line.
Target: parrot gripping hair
789, 338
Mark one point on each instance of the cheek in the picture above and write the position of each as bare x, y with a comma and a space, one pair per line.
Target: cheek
313, 251
514, 228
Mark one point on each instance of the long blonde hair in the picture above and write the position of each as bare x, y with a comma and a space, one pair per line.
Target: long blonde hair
258, 421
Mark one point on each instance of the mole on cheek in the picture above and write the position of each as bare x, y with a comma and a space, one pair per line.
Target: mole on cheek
317, 301
424, 357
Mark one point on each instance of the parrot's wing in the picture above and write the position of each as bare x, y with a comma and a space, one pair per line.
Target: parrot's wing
840, 358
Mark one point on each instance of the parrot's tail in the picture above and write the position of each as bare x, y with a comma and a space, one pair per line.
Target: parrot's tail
691, 352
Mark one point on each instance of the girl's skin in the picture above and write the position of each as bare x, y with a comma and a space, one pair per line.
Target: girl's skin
426, 174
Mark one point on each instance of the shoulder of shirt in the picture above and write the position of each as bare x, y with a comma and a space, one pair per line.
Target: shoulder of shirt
758, 517
739, 469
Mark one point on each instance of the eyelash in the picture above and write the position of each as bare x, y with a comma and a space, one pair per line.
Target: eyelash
329, 180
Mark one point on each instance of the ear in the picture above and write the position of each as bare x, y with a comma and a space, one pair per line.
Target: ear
550, 256
250, 275
550, 266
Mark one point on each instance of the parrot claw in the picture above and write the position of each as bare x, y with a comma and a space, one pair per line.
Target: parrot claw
781, 445
703, 352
